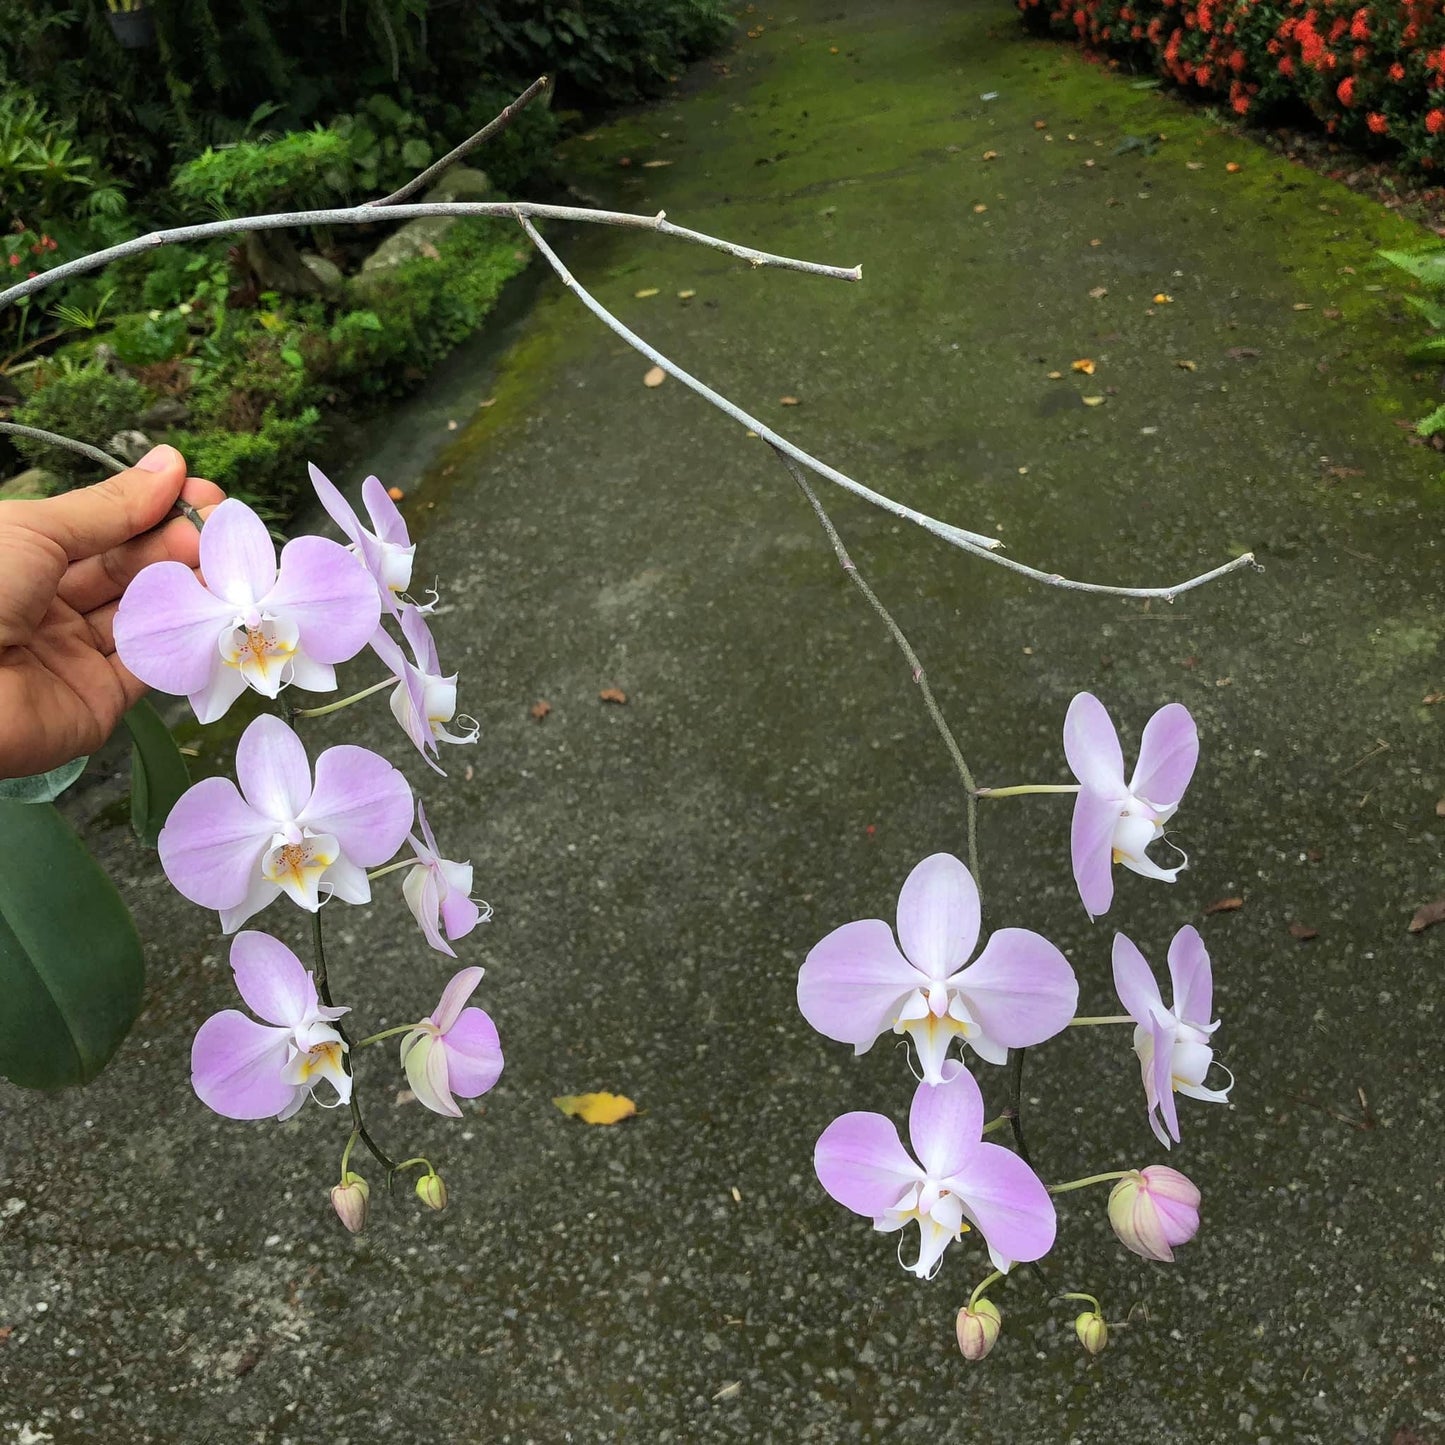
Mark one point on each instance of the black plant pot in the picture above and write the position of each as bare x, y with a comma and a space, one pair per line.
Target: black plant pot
133, 29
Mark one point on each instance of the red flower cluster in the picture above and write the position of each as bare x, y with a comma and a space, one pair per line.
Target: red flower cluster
1367, 70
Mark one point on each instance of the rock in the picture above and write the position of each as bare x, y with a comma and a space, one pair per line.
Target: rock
168, 411
421, 238
278, 265
28, 485
129, 446
327, 273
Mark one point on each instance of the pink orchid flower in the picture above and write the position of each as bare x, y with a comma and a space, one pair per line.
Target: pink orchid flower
454, 1052
438, 892
1172, 1044
423, 701
959, 1181
246, 1070
1115, 821
856, 985
1154, 1210
252, 623
386, 551
234, 849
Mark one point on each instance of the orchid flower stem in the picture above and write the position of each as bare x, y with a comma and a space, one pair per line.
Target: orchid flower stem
1015, 1101
345, 701
995, 1124
1087, 1299
974, 1298
323, 992
390, 868
1085, 1182
346, 1153
1083, 1023
1022, 788
384, 1034
408, 1163
906, 648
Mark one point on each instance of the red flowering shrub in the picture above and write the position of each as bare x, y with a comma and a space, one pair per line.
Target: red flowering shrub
1371, 71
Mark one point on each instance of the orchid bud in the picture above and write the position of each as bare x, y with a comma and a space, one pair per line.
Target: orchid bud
351, 1200
978, 1327
431, 1191
1092, 1331
1152, 1210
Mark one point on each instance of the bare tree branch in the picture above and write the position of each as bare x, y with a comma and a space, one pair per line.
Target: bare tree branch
54, 439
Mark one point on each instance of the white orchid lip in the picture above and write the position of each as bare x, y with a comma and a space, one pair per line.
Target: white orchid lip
262, 647
297, 862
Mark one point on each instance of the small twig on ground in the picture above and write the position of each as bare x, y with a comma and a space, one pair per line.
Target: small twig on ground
493, 127
970, 790
974, 542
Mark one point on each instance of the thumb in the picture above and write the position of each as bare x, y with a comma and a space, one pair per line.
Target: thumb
94, 519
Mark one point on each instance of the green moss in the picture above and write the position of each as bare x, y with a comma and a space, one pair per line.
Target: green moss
88, 403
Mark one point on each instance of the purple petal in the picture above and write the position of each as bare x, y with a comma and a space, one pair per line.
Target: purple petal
851, 983
474, 1054
1168, 752
1176, 1201
459, 914
236, 1067
329, 595
386, 518
422, 643
238, 557
1162, 1033
168, 629
1134, 981
1191, 976
212, 843
337, 507
1091, 745
1008, 1203
1091, 846
362, 801
462, 986
1021, 989
938, 915
946, 1122
271, 980
272, 769
427, 835
861, 1163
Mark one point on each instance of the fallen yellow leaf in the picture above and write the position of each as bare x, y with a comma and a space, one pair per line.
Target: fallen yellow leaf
645, 293
979, 209
596, 1108
1186, 366
1233, 166
990, 155
1093, 401
1055, 375
654, 376
1161, 299
787, 401
1099, 292
653, 165
686, 295
1085, 365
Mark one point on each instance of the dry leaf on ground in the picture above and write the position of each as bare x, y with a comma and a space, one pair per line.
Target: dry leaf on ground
395, 493
1224, 905
540, 709
613, 694
645, 293
1186, 365
1428, 916
1083, 364
1099, 292
787, 401
596, 1108
654, 376
653, 165
1303, 932
1093, 400
686, 295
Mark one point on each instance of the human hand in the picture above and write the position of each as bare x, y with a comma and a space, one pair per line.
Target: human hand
64, 562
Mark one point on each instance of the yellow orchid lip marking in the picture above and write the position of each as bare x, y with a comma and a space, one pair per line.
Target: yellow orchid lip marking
294, 861
320, 1058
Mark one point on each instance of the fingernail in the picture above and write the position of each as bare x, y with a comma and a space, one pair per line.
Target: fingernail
158, 459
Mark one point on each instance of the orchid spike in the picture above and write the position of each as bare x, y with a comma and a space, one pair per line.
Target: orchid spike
856, 985
438, 892
251, 623
1153, 1210
1172, 1043
423, 701
1115, 821
248, 1070
386, 550
235, 849
959, 1181
455, 1051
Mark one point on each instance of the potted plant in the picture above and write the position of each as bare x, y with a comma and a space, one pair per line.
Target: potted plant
131, 23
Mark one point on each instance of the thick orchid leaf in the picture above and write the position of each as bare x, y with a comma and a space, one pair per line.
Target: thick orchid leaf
71, 968
42, 787
158, 774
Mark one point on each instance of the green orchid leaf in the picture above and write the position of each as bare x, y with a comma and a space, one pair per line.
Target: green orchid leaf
158, 774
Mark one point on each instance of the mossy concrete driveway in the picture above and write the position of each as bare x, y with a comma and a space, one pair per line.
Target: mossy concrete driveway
659, 869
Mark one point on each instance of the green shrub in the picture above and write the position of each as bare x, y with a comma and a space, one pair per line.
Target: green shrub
264, 467
89, 404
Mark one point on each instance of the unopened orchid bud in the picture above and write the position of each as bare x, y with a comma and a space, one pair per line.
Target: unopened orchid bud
1092, 1331
1152, 1210
431, 1191
351, 1200
978, 1327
